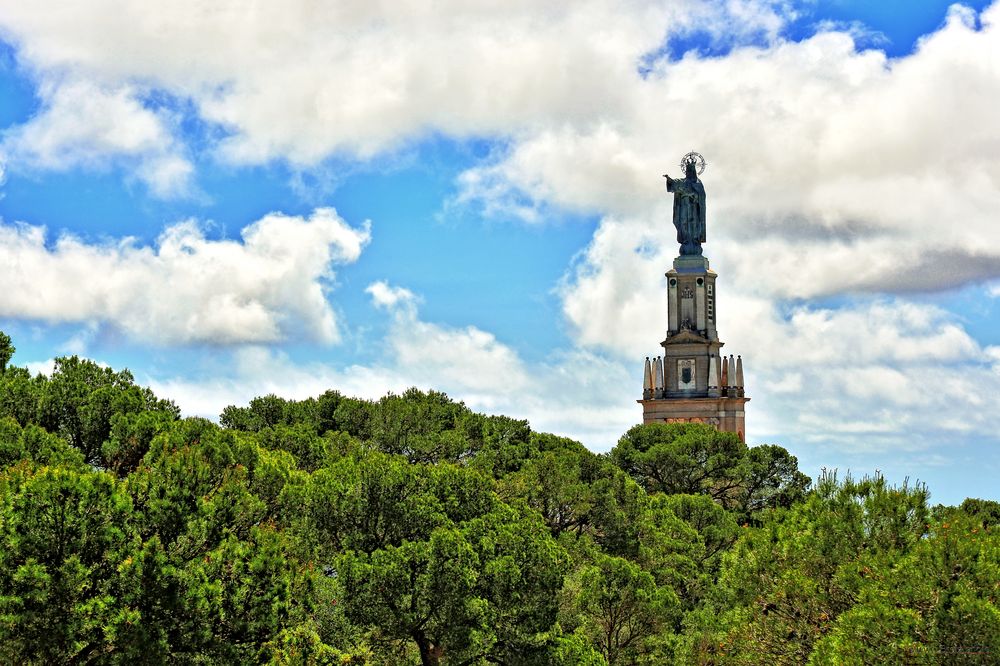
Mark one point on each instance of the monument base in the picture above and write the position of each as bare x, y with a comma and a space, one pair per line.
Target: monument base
691, 263
725, 413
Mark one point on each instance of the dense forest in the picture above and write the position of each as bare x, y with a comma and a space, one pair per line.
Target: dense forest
411, 530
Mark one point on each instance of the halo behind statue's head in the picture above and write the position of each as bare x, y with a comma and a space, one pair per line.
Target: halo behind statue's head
693, 158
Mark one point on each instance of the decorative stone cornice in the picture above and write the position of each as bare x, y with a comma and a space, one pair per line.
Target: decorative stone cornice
685, 336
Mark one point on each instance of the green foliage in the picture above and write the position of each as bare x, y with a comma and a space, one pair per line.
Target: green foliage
265, 412
558, 483
784, 584
63, 533
936, 604
575, 650
20, 394
698, 459
310, 450
681, 458
130, 437
7, 350
986, 511
80, 403
619, 508
429, 554
622, 611
715, 526
33, 444
411, 530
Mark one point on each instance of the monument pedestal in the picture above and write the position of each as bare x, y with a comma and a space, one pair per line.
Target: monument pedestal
726, 414
693, 382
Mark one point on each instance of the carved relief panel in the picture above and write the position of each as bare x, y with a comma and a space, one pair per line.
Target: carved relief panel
686, 379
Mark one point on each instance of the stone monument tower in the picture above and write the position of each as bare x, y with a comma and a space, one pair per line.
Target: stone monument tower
693, 381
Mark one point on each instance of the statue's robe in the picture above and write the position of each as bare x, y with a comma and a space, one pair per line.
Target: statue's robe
689, 212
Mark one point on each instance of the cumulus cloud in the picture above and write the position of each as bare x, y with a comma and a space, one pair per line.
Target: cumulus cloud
833, 172
302, 80
846, 170
388, 297
46, 367
469, 358
84, 124
575, 394
864, 373
874, 174
875, 374
185, 288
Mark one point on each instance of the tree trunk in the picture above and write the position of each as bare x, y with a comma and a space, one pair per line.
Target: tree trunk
429, 655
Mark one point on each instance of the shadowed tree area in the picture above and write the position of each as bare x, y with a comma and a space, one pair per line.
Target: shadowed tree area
411, 530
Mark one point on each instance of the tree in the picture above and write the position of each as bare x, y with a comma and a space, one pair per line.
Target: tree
431, 557
622, 610
193, 488
687, 537
238, 596
264, 412
698, 459
63, 536
784, 585
311, 451
20, 394
34, 445
215, 578
80, 399
555, 485
7, 350
130, 436
936, 604
986, 511
682, 458
617, 515
770, 479
716, 527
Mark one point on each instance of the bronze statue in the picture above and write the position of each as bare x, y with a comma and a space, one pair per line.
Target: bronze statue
689, 204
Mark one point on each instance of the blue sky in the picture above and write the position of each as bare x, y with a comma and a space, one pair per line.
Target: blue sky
469, 198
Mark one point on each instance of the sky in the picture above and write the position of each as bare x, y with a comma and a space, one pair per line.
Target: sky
233, 199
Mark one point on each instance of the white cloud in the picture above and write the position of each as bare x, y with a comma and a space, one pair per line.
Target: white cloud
388, 297
186, 288
844, 170
302, 80
46, 367
864, 374
468, 357
869, 375
858, 31
83, 124
576, 394
851, 170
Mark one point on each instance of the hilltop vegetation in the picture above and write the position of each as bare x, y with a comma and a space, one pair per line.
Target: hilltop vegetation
411, 530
